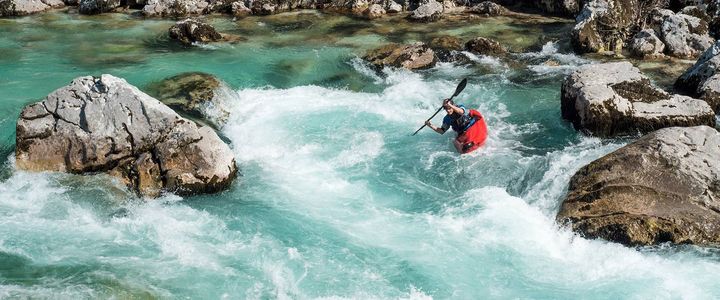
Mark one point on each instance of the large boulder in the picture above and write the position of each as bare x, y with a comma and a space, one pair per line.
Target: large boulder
665, 187
428, 12
27, 7
448, 49
104, 124
485, 46
393, 7
614, 99
488, 8
604, 25
646, 44
191, 31
374, 11
196, 95
93, 7
174, 8
703, 79
685, 36
414, 56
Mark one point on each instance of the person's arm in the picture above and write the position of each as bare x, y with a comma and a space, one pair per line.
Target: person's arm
439, 130
455, 109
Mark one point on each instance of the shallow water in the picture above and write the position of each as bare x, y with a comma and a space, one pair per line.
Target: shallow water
336, 199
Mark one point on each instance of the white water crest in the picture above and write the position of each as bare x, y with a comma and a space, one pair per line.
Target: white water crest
550, 61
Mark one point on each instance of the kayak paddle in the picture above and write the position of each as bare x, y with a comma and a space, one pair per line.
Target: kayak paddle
459, 89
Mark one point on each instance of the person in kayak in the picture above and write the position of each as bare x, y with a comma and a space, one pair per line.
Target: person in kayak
468, 123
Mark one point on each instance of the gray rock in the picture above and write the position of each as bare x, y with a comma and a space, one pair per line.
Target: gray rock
614, 99
429, 12
104, 124
374, 11
415, 56
393, 7
27, 7
174, 8
93, 7
700, 80
238, 9
191, 31
665, 187
685, 36
485, 46
488, 8
604, 25
646, 44
448, 49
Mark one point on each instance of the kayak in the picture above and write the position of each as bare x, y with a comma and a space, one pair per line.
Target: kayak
474, 137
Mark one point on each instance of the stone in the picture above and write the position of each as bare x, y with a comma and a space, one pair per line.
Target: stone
393, 7
429, 12
10, 8
646, 44
684, 36
374, 11
485, 46
703, 79
238, 9
191, 31
104, 124
604, 25
195, 95
488, 8
414, 56
264, 7
448, 49
615, 99
665, 187
174, 8
93, 7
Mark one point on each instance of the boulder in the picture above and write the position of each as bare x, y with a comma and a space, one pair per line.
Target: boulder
565, 8
488, 8
393, 7
196, 95
414, 56
614, 99
26, 7
684, 36
174, 8
448, 49
104, 124
646, 44
238, 9
191, 31
374, 11
94, 7
604, 25
264, 7
665, 187
485, 46
428, 12
702, 80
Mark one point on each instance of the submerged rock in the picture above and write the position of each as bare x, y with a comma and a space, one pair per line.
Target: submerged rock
195, 94
26, 7
414, 56
616, 99
703, 79
104, 124
665, 187
191, 31
428, 12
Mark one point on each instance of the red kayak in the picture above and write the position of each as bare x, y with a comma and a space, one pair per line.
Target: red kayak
475, 136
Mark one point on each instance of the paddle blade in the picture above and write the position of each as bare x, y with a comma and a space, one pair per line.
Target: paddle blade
460, 88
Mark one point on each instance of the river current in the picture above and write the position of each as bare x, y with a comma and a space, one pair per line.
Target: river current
336, 199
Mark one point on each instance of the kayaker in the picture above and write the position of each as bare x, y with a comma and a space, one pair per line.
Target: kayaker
468, 123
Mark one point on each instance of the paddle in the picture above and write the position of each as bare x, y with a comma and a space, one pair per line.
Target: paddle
459, 89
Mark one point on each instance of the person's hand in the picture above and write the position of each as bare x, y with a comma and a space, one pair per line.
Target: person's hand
427, 123
446, 102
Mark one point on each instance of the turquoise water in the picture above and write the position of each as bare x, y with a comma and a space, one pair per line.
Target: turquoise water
336, 199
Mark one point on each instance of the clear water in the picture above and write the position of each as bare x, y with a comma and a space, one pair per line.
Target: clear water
336, 199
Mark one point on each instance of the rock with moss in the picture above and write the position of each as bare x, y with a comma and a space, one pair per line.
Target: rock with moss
104, 124
662, 188
10, 8
195, 95
413, 56
485, 46
191, 31
614, 99
702, 80
604, 25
